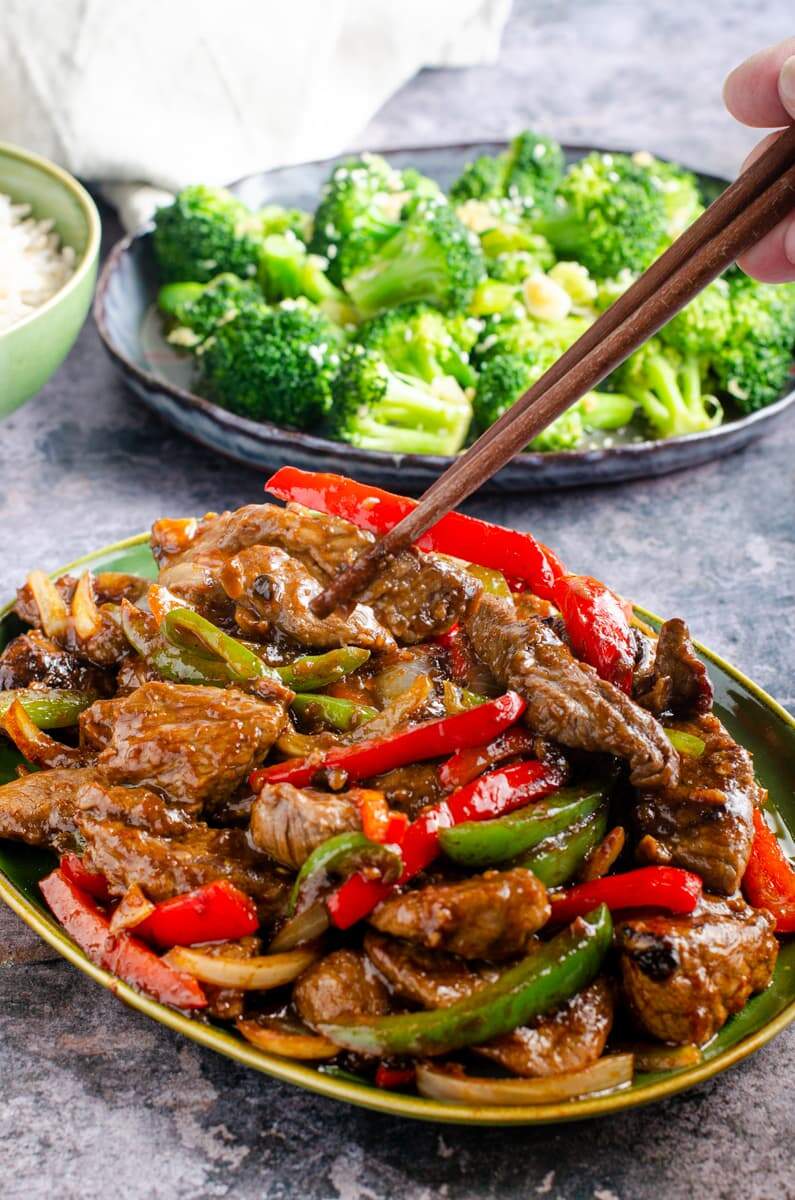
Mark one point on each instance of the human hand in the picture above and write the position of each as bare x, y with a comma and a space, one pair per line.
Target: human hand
761, 93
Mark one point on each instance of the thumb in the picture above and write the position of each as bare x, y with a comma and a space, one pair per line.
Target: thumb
786, 85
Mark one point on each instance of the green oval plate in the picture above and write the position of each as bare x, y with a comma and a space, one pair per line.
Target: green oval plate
755, 719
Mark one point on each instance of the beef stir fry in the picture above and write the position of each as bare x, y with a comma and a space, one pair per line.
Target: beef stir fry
480, 833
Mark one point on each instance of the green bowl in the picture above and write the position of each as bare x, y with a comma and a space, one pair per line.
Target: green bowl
751, 716
33, 349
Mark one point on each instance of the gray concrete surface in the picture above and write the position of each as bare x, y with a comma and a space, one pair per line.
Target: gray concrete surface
95, 1099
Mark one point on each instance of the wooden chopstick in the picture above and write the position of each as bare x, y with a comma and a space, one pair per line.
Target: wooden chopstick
738, 219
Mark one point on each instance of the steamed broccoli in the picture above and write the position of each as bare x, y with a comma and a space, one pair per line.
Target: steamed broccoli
415, 339
273, 364
507, 376
508, 335
680, 192
610, 215
379, 409
504, 230
667, 386
204, 232
362, 200
702, 327
287, 270
514, 266
197, 309
755, 363
275, 219
432, 257
529, 171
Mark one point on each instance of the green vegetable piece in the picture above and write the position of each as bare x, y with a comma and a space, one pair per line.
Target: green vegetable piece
558, 970
333, 711
171, 663
557, 860
686, 743
488, 843
341, 856
49, 708
205, 231
188, 630
314, 671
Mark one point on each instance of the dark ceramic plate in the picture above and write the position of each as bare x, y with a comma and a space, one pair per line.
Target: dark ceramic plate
130, 332
756, 720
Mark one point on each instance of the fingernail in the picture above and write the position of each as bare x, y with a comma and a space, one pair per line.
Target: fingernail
786, 85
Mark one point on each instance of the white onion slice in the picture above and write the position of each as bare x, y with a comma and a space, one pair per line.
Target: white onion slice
248, 974
442, 1083
285, 1042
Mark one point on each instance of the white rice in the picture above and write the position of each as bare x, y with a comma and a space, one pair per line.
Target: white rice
33, 263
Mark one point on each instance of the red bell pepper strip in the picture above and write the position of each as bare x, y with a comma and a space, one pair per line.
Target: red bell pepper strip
670, 888
215, 912
468, 764
432, 739
516, 554
597, 625
491, 795
88, 881
453, 642
122, 954
394, 1077
769, 880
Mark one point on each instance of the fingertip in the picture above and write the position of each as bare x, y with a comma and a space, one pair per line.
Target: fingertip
751, 91
773, 259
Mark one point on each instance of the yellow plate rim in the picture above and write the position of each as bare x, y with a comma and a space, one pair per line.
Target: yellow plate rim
362, 1095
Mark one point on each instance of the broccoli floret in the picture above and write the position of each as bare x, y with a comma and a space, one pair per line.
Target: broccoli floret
507, 335
514, 266
275, 219
529, 171
414, 339
379, 409
204, 232
667, 386
273, 364
610, 215
505, 229
494, 296
680, 192
432, 257
702, 327
287, 270
482, 179
507, 376
362, 199
534, 167
755, 363
197, 309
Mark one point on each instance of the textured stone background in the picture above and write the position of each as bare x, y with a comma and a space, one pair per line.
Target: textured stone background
95, 1097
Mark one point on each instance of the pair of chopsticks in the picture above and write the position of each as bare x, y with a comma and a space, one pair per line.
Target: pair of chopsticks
749, 208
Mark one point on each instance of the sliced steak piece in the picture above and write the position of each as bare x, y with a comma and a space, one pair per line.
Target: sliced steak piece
138, 807
33, 658
342, 985
417, 596
492, 916
196, 743
682, 977
288, 823
676, 681
271, 591
705, 822
566, 1039
567, 702
40, 808
166, 865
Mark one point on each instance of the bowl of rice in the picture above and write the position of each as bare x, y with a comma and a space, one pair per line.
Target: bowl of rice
49, 247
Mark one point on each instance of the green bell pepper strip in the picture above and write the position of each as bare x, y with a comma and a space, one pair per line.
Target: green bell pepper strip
315, 671
503, 839
341, 856
557, 859
685, 743
171, 663
48, 708
190, 631
338, 713
558, 970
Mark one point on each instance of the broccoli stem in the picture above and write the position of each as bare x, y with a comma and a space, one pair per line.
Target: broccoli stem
606, 410
673, 401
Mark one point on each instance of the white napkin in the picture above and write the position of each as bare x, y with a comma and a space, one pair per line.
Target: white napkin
162, 93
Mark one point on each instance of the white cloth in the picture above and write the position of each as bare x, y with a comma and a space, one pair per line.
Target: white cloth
170, 92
